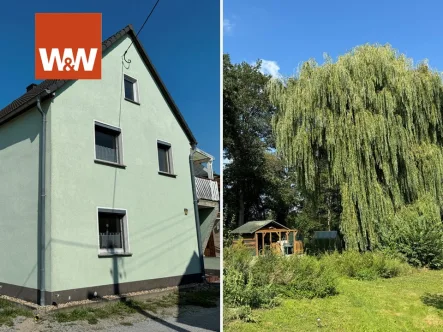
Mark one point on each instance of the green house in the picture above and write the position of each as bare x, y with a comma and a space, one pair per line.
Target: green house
97, 193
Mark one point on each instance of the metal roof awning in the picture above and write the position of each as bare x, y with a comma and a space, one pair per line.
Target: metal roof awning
202, 156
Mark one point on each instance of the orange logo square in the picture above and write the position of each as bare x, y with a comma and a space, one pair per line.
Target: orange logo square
68, 46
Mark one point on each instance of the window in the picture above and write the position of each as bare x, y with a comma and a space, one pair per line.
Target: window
131, 89
164, 157
112, 230
108, 143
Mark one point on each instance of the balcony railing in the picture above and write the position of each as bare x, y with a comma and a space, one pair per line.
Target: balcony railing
207, 189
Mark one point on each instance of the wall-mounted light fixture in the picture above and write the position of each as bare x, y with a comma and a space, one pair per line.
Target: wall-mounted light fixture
186, 212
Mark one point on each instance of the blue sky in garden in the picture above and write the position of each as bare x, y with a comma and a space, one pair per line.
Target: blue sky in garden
286, 33
182, 38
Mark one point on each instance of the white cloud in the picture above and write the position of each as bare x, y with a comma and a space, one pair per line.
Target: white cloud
270, 67
226, 161
228, 26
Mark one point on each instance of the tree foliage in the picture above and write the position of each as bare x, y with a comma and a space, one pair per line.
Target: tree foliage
417, 233
375, 121
254, 183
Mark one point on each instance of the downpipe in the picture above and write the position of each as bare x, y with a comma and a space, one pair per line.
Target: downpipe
197, 218
42, 247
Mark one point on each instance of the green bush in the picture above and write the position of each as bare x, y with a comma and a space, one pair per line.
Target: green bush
257, 282
366, 266
241, 290
417, 233
265, 268
306, 276
237, 257
242, 313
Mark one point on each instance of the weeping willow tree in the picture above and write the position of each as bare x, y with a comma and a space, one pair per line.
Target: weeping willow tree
375, 120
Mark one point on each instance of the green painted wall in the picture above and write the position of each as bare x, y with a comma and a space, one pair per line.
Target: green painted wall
19, 199
162, 238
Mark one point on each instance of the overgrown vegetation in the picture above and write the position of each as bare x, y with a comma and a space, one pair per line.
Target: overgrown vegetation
367, 265
417, 233
413, 302
9, 311
263, 281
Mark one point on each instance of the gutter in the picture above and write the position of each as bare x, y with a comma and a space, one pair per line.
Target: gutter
197, 218
42, 207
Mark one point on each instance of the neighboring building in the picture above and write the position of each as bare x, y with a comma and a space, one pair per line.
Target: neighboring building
208, 188
113, 193
325, 241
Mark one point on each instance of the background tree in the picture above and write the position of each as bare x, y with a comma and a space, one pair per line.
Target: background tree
247, 135
372, 122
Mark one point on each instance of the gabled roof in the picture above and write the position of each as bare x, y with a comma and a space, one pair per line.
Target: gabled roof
253, 226
28, 100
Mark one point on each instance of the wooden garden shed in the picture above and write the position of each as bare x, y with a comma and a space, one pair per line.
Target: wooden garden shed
269, 234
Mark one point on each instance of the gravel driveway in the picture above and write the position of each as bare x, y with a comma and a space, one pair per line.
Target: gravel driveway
189, 318
185, 310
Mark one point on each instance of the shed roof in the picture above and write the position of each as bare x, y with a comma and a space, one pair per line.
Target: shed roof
253, 226
28, 100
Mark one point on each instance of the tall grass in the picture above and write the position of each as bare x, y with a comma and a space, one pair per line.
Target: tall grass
366, 266
254, 282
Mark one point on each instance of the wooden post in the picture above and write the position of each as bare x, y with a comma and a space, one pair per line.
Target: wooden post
256, 244
262, 242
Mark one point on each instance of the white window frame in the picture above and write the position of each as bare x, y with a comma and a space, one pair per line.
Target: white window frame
170, 157
135, 89
125, 231
119, 143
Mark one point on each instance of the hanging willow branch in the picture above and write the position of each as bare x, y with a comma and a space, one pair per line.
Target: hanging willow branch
376, 119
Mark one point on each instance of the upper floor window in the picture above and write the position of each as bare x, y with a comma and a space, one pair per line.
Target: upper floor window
108, 146
131, 89
165, 158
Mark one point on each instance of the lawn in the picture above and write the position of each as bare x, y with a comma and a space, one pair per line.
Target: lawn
408, 303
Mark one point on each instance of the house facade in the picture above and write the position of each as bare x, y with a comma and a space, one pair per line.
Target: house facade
114, 210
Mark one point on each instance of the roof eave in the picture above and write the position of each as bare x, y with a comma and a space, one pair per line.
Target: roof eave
162, 87
23, 108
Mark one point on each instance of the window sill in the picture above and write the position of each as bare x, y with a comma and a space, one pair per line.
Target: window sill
109, 163
114, 254
132, 101
167, 174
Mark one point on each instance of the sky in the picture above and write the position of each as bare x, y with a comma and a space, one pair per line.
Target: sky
286, 33
182, 38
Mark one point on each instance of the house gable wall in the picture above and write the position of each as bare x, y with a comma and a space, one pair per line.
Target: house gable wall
162, 238
19, 200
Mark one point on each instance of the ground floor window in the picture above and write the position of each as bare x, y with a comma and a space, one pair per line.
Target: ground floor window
112, 229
